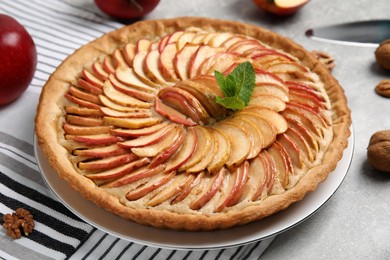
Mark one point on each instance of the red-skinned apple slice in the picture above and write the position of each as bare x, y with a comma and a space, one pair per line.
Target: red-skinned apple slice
128, 77
166, 62
147, 139
141, 113
182, 59
100, 152
152, 69
163, 156
223, 152
271, 116
239, 141
174, 37
122, 99
292, 149
83, 111
280, 7
312, 112
138, 132
271, 89
129, 53
221, 61
258, 175
160, 146
175, 187
85, 130
203, 53
313, 143
163, 42
99, 72
98, 139
144, 190
82, 83
188, 188
76, 92
91, 78
84, 121
108, 65
208, 157
138, 66
301, 142
82, 102
203, 145
107, 163
114, 106
132, 123
267, 101
128, 90
219, 38
215, 184
143, 45
303, 97
185, 152
281, 163
172, 114
210, 82
120, 170
266, 76
118, 59
245, 45
232, 40
185, 38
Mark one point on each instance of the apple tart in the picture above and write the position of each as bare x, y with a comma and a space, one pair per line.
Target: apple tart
131, 122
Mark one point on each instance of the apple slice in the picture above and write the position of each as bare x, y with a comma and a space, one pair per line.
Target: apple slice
147, 139
188, 187
178, 184
214, 185
142, 45
129, 90
82, 83
275, 90
219, 38
312, 112
98, 70
166, 66
222, 154
245, 45
174, 37
114, 106
185, 152
133, 123
158, 147
281, 7
108, 65
138, 174
91, 78
138, 132
84, 121
83, 111
232, 40
267, 101
152, 69
128, 77
221, 61
182, 60
76, 92
282, 163
100, 152
97, 139
141, 113
184, 38
203, 53
304, 119
172, 114
209, 156
301, 142
129, 53
313, 143
268, 77
267, 171
85, 130
269, 115
82, 102
163, 42
119, 171
239, 140
163, 156
292, 149
118, 59
301, 97
144, 190
210, 82
107, 163
203, 140
138, 67
118, 97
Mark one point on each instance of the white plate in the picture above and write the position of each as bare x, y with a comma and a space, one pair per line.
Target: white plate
268, 227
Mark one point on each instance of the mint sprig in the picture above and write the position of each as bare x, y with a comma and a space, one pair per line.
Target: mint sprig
237, 87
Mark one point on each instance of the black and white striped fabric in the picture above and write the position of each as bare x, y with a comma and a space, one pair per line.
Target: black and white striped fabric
58, 28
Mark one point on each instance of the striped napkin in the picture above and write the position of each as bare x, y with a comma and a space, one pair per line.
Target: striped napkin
58, 28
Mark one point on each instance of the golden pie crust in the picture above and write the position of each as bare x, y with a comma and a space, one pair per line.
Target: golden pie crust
259, 194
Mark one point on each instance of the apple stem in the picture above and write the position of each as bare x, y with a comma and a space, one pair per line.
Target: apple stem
137, 5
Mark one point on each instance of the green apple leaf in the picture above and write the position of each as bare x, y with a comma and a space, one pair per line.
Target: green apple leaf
237, 87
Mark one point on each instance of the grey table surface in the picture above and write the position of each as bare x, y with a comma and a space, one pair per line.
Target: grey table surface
355, 222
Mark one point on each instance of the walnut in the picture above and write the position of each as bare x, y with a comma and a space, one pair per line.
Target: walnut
378, 152
382, 54
325, 58
383, 88
19, 221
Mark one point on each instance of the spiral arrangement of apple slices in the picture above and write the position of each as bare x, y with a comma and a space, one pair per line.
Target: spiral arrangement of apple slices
143, 123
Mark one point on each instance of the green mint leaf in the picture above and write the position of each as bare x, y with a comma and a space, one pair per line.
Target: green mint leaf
237, 87
231, 102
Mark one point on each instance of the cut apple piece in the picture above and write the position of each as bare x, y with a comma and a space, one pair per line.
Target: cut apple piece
98, 139
313, 143
221, 61
282, 163
144, 190
147, 139
188, 187
232, 40
269, 115
82, 83
185, 152
281, 7
100, 152
172, 114
118, 59
85, 130
203, 53
239, 140
267, 101
174, 37
178, 184
137, 113
275, 90
307, 121
182, 60
219, 38
91, 78
142, 45
163, 42
83, 111
107, 163
138, 67
184, 38
301, 142
203, 139
305, 98
99, 71
129, 53
82, 102
215, 184
160, 146
245, 45
120, 170
128, 77
312, 112
114, 106
131, 122
222, 154
152, 69
210, 82
138, 174
115, 95
166, 66
108, 65
268, 77
292, 149
128, 90
84, 121
138, 132
76, 92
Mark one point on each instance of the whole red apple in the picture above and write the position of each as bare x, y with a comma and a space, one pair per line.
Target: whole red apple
280, 7
127, 9
18, 59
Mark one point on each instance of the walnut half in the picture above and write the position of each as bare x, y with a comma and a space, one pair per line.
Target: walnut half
378, 152
19, 221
